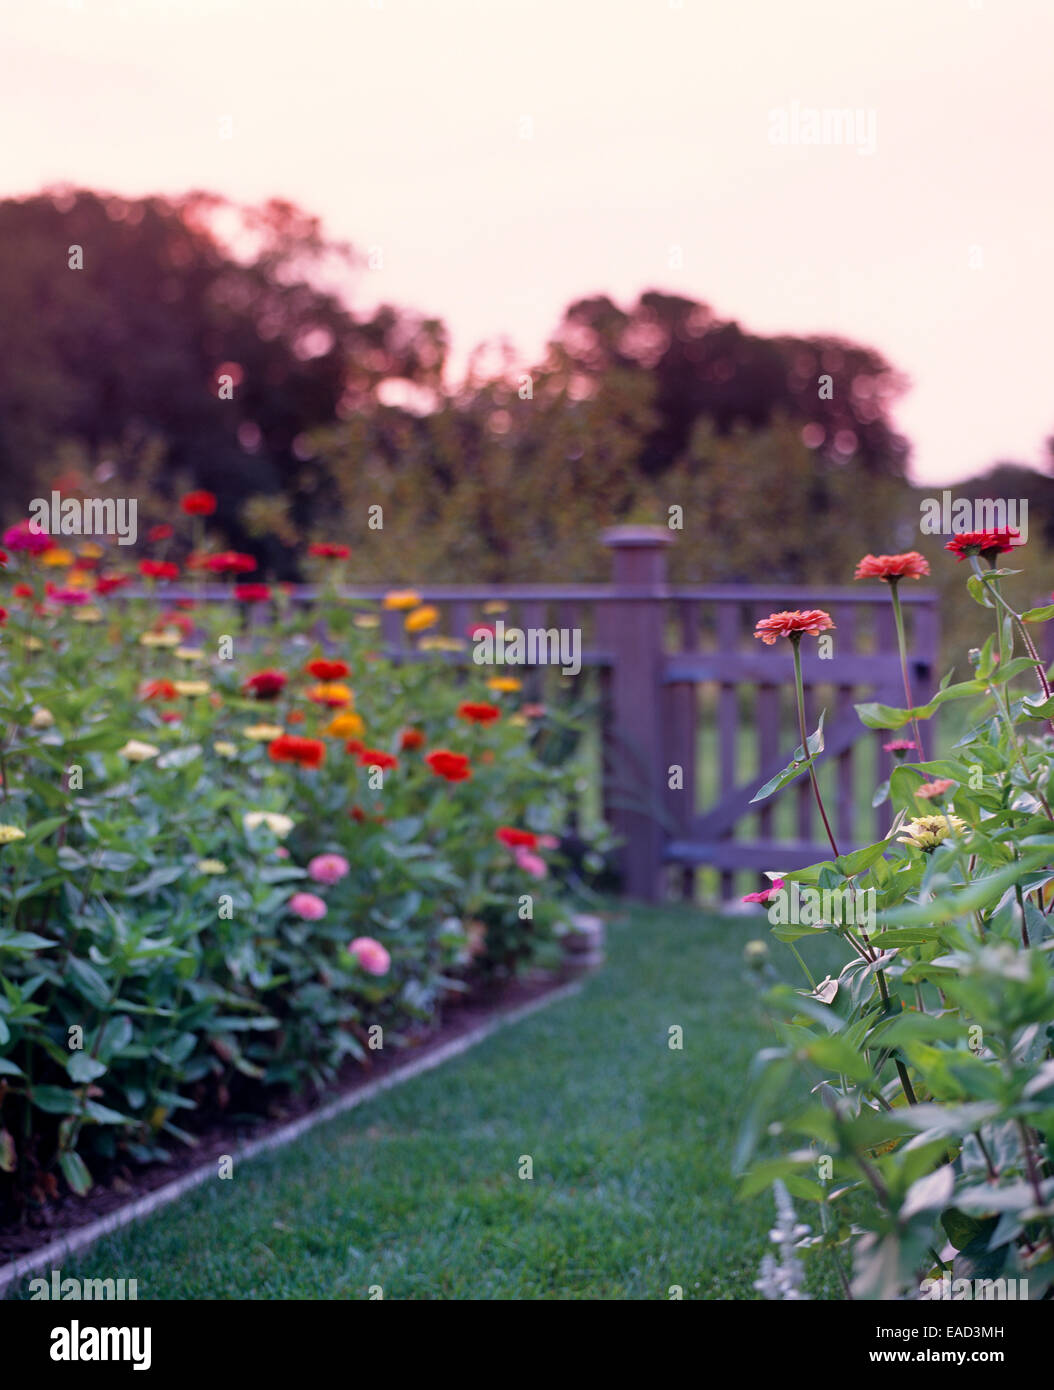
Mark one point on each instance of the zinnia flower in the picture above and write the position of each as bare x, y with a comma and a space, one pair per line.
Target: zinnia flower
58, 557
277, 823
138, 752
453, 766
23, 591
73, 598
505, 684
324, 550
211, 866
366, 620
346, 725
291, 748
324, 670
514, 838
987, 544
927, 832
157, 690
225, 749
793, 625
42, 718
421, 618
108, 583
401, 599
252, 593
371, 955
476, 712
24, 536
937, 787
308, 906
410, 739
530, 862
158, 569
169, 638
765, 893
192, 688
376, 757
265, 685
190, 653
333, 696
230, 562
161, 532
328, 868
198, 503
263, 733
890, 568
900, 746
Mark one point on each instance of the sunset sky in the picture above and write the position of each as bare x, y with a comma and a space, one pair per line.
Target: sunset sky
507, 156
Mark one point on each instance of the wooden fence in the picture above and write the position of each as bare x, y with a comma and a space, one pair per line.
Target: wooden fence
685, 685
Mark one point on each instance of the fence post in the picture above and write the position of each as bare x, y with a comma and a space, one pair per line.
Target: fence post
634, 745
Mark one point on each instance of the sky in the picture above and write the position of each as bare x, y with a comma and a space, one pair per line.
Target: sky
501, 158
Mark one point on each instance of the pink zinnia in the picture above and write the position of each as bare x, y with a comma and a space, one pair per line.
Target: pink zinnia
328, 868
24, 536
530, 862
308, 906
371, 955
765, 893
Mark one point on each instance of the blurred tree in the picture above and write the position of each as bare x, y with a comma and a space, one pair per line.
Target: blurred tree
173, 295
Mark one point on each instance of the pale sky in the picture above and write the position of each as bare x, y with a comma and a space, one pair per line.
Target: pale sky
508, 156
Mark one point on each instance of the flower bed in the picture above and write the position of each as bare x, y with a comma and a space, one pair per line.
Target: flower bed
910, 1095
230, 858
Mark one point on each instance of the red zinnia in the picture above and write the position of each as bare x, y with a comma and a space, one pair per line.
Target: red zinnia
478, 713
252, 593
793, 625
354, 745
230, 562
290, 748
23, 591
481, 629
516, 839
199, 503
3, 615
987, 544
375, 757
158, 569
410, 739
910, 565
3, 559
163, 532
170, 716
325, 551
107, 583
265, 685
324, 670
453, 766
157, 690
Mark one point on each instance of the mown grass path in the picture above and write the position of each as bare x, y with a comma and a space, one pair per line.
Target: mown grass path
419, 1191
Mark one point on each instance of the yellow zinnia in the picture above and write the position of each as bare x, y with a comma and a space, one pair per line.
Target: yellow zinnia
192, 687
927, 832
504, 683
169, 638
496, 605
402, 598
91, 551
88, 614
278, 824
262, 733
367, 620
421, 618
227, 750
138, 752
190, 653
331, 693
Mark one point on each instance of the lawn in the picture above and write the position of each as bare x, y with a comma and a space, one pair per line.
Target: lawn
419, 1191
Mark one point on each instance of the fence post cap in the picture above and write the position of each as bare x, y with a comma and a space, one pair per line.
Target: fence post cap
623, 537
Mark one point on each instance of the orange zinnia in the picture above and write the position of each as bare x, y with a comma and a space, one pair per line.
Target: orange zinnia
793, 625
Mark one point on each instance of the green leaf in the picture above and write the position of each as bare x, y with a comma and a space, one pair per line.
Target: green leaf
878, 716
83, 1067
796, 767
54, 1100
960, 1228
75, 1172
852, 864
1038, 615
25, 941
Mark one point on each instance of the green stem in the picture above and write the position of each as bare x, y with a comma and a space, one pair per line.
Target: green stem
898, 618
799, 690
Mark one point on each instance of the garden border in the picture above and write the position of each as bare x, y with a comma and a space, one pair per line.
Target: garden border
64, 1246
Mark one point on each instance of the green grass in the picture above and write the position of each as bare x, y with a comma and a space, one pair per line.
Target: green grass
418, 1190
